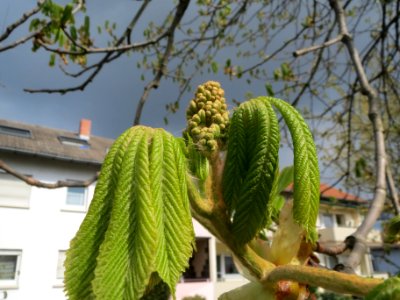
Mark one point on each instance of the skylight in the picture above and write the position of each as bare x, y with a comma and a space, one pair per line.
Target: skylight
19, 132
70, 141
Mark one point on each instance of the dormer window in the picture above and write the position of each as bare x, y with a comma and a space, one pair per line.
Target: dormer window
19, 132
69, 141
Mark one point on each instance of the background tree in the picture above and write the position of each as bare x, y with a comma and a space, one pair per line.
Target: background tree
332, 58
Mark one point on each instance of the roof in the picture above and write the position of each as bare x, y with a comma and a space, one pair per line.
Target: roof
51, 143
329, 192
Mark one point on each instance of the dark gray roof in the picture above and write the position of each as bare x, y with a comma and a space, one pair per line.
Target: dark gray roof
47, 142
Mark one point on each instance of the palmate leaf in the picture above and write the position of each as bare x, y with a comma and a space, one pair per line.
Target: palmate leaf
173, 248
257, 168
126, 258
80, 262
306, 171
146, 232
236, 159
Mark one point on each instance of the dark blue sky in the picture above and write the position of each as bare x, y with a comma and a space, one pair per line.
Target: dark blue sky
110, 101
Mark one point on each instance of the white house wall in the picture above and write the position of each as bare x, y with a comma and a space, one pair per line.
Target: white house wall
41, 230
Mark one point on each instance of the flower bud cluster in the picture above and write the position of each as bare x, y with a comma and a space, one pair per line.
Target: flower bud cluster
207, 117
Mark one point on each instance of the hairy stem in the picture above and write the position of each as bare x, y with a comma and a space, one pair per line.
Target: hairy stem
327, 279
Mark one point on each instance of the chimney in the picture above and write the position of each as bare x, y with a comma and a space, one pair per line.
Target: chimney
84, 129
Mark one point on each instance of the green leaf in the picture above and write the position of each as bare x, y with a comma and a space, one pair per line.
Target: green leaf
285, 178
126, 257
52, 60
236, 159
388, 290
138, 230
67, 14
259, 164
80, 262
87, 25
176, 235
214, 67
392, 230
74, 34
268, 88
306, 171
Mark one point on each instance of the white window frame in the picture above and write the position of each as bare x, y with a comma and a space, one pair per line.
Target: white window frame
12, 283
76, 208
60, 266
223, 275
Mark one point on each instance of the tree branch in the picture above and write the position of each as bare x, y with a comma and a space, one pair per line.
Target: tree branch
327, 279
162, 66
393, 192
380, 152
97, 66
329, 43
41, 184
21, 21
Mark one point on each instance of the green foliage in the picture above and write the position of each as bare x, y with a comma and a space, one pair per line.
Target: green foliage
392, 230
284, 180
198, 163
306, 171
251, 168
388, 290
139, 221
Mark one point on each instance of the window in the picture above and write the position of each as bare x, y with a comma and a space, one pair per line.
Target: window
331, 261
199, 266
340, 220
15, 131
226, 267
14, 192
60, 264
327, 220
83, 144
10, 261
76, 199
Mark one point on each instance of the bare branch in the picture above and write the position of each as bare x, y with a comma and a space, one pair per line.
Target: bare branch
86, 50
374, 115
19, 41
330, 250
41, 184
21, 21
331, 42
180, 11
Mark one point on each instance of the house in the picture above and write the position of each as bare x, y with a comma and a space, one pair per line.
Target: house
36, 224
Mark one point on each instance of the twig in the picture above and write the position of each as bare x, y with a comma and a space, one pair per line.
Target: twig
21, 21
331, 42
97, 66
86, 50
162, 66
34, 182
